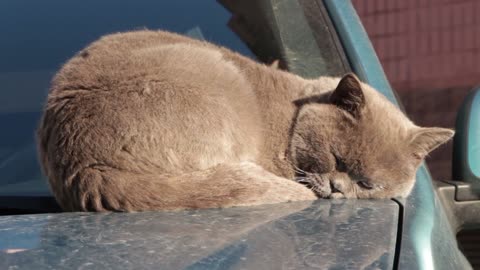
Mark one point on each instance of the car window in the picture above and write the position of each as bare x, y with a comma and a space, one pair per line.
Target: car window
42, 35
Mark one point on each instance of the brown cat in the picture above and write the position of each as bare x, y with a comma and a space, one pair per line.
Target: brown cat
153, 120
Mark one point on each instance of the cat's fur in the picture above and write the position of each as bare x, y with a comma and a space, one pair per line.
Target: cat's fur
153, 120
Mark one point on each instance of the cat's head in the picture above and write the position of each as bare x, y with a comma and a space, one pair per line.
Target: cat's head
355, 132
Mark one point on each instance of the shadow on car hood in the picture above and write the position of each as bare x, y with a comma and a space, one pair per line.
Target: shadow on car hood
323, 234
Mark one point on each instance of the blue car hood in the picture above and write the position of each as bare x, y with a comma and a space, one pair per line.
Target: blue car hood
325, 234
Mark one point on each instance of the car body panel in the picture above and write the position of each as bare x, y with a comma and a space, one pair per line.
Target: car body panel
325, 234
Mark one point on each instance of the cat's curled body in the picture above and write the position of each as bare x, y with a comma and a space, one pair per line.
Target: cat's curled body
153, 120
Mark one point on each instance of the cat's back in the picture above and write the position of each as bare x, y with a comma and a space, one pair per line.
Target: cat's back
156, 98
140, 56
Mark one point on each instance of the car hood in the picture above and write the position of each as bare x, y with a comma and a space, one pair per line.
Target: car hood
323, 234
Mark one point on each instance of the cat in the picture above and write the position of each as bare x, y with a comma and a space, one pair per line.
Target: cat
149, 120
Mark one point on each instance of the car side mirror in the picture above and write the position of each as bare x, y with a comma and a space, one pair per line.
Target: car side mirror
466, 143
461, 197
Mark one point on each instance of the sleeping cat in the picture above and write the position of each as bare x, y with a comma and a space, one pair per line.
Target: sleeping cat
153, 120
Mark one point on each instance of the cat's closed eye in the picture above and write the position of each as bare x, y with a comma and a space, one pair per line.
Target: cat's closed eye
365, 184
342, 167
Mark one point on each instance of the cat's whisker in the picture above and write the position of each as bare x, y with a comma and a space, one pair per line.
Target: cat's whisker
302, 180
298, 170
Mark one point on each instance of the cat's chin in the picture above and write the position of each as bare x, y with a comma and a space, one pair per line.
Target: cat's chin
336, 195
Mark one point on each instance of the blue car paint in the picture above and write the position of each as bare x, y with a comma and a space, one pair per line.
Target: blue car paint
466, 150
424, 216
323, 234
473, 139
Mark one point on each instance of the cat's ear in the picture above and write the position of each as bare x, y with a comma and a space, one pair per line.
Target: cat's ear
425, 140
349, 95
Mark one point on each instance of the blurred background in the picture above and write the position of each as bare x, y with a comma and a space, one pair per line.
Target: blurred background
430, 50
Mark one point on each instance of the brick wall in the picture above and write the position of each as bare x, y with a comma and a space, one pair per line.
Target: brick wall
430, 50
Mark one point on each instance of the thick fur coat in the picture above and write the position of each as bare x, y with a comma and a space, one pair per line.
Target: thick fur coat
153, 120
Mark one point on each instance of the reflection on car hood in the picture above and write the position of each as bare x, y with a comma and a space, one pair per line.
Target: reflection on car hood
323, 234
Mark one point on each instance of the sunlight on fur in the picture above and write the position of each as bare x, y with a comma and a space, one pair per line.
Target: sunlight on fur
153, 120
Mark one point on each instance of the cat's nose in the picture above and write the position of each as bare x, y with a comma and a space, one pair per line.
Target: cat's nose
333, 187
336, 188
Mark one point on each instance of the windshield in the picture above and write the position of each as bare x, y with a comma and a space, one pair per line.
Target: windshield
42, 35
